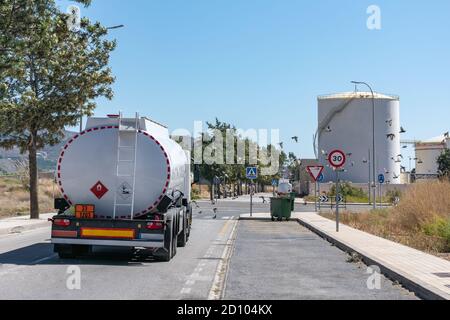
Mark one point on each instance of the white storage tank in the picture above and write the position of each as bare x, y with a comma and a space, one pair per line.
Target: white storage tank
89, 172
427, 154
345, 122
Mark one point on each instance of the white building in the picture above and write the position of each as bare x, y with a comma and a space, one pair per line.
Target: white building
345, 123
427, 153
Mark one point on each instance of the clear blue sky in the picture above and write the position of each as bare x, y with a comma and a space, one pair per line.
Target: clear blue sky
262, 63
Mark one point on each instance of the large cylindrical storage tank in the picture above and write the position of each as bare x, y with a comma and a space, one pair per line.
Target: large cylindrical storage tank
345, 122
427, 154
89, 171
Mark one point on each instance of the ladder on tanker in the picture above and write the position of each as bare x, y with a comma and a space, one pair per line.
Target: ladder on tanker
127, 142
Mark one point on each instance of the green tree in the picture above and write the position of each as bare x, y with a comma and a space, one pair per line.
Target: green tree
49, 76
444, 164
235, 171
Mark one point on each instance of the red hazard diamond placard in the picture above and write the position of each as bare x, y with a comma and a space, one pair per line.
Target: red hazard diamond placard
99, 190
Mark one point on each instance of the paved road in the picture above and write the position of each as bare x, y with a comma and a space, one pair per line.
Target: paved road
30, 270
274, 260
228, 207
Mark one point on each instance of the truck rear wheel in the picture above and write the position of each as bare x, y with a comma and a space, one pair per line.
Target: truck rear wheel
63, 255
71, 251
189, 223
183, 236
182, 239
174, 241
166, 253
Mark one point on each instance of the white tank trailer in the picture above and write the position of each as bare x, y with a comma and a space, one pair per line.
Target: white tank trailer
345, 123
136, 179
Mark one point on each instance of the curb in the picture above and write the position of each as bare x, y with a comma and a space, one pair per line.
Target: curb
257, 219
421, 289
20, 229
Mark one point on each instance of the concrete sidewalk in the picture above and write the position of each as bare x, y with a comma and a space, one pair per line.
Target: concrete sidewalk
23, 223
428, 276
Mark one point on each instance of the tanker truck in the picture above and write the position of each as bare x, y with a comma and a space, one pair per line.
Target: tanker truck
124, 182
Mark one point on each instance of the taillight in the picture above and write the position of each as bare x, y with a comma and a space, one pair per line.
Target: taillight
62, 222
155, 225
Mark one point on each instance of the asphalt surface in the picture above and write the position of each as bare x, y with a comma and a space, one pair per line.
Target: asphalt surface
268, 262
30, 270
261, 203
283, 260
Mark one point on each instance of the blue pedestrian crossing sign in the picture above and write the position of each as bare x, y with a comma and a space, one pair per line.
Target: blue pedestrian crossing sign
274, 182
381, 178
251, 173
321, 178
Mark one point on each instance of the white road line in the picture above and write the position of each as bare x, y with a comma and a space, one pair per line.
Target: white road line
185, 290
189, 283
218, 287
44, 259
196, 275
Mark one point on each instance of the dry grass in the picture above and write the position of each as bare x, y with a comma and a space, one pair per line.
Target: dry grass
14, 197
421, 220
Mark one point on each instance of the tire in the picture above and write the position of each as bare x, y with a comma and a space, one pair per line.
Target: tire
183, 236
280, 219
189, 223
273, 218
80, 250
166, 253
63, 255
182, 239
174, 241
72, 251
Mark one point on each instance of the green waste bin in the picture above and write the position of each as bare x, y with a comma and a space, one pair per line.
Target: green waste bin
280, 208
293, 194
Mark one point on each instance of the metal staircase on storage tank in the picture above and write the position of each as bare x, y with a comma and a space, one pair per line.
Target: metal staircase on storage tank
127, 142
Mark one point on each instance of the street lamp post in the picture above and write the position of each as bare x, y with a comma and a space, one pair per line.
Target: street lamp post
369, 181
373, 139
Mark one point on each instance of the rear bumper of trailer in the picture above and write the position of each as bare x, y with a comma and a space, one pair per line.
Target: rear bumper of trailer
158, 242
68, 230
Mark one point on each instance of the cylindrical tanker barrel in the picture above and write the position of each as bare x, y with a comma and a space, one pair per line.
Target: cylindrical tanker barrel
94, 169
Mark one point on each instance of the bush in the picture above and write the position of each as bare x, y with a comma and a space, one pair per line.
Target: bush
195, 194
347, 190
392, 195
422, 203
440, 227
421, 220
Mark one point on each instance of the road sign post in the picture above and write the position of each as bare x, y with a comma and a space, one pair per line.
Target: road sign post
252, 174
319, 180
251, 199
315, 172
337, 159
315, 196
381, 180
337, 200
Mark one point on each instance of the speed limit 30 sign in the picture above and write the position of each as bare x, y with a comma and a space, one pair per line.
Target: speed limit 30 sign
337, 159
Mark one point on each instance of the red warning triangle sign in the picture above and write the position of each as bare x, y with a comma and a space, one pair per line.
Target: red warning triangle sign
315, 171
